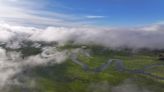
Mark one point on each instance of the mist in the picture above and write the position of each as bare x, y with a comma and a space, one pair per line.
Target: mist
13, 38
150, 37
129, 86
12, 63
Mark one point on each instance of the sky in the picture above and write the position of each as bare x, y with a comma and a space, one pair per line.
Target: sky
99, 13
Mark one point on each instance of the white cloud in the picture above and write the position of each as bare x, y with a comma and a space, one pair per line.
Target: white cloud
11, 63
28, 12
115, 38
94, 17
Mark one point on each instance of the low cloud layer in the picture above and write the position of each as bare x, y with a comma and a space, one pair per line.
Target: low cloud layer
14, 37
12, 63
144, 37
129, 86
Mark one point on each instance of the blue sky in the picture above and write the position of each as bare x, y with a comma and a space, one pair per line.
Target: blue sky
115, 13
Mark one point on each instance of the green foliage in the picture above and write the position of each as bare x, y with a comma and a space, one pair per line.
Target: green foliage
29, 51
69, 77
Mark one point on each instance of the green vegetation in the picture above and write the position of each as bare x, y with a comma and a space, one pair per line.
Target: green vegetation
69, 77
29, 51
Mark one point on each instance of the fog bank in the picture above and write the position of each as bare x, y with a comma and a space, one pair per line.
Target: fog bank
151, 37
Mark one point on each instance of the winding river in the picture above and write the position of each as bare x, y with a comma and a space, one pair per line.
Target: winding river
118, 65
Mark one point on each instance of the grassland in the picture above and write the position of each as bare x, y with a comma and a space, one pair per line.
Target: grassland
69, 77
